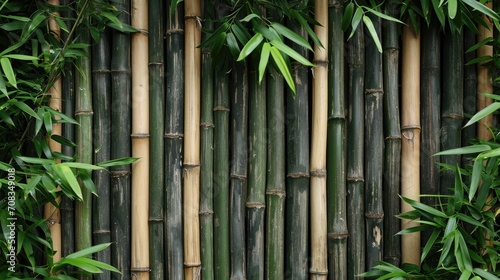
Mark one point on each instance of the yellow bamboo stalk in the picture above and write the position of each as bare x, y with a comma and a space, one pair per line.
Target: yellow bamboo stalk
319, 261
140, 142
191, 172
484, 82
410, 144
51, 212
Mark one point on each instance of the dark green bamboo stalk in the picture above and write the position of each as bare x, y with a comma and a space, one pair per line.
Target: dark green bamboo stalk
275, 186
221, 175
392, 133
120, 146
83, 113
156, 141
470, 91
297, 168
238, 175
207, 161
355, 157
101, 81
174, 124
336, 148
257, 151
452, 106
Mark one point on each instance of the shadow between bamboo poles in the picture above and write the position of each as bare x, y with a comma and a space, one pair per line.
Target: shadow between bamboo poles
239, 166
120, 145
374, 141
410, 143
430, 99
297, 171
52, 212
174, 125
191, 170
355, 157
207, 159
139, 266
392, 133
101, 81
275, 185
319, 265
336, 148
256, 194
157, 125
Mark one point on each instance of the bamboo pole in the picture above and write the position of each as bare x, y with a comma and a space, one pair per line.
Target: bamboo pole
336, 148
156, 29
239, 165
374, 141
83, 113
101, 81
191, 165
319, 266
355, 157
51, 212
410, 143
275, 185
452, 106
207, 160
392, 133
256, 194
470, 93
174, 123
120, 146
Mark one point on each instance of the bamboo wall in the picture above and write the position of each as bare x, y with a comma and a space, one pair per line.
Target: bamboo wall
240, 179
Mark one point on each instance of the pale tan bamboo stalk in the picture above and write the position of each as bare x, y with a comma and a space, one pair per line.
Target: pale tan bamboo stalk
410, 144
319, 261
484, 82
140, 142
192, 78
51, 212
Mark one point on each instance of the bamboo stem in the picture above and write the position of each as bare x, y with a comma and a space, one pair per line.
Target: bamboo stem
470, 93
410, 144
319, 266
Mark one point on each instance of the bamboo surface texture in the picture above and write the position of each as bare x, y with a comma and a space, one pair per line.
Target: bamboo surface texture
470, 92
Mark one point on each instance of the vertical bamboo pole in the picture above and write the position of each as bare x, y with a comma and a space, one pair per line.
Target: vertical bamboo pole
191, 165
120, 146
319, 266
410, 143
275, 185
51, 212
374, 141
101, 81
297, 168
174, 123
256, 195
392, 133
355, 157
157, 125
470, 93
336, 148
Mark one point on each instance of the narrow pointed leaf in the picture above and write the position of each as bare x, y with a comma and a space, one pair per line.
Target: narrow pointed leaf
356, 19
425, 208
27, 109
8, 71
292, 36
369, 24
452, 8
465, 150
264, 59
475, 178
282, 66
291, 52
250, 46
232, 44
65, 173
483, 113
482, 8
346, 18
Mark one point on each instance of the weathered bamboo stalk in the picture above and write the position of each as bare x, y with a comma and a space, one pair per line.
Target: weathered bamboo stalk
410, 143
319, 265
470, 93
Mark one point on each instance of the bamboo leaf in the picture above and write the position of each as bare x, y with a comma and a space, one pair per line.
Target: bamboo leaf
80, 263
475, 178
88, 251
430, 243
264, 59
65, 173
6, 118
452, 8
47, 120
303, 23
81, 165
425, 208
291, 52
232, 44
33, 160
464, 251
216, 36
369, 24
465, 275
356, 19
482, 8
240, 32
483, 113
480, 44
346, 18
250, 46
465, 150
112, 18
21, 105
250, 17
3, 86
62, 140
87, 181
60, 23
282, 66
439, 13
62, 116
21, 57
117, 162
383, 16
490, 154
292, 36
485, 274
8, 71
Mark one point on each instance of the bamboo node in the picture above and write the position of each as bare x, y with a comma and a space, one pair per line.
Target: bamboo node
175, 30
374, 91
139, 135
187, 166
84, 112
139, 269
120, 173
355, 179
206, 213
374, 215
318, 272
156, 220
279, 193
452, 116
255, 205
221, 108
319, 173
207, 124
298, 175
192, 264
101, 231
239, 177
322, 63
104, 70
340, 235
394, 137
173, 135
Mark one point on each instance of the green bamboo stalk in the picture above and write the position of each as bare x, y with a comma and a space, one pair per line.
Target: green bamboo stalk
238, 175
374, 141
156, 141
275, 186
83, 113
452, 106
174, 124
207, 160
297, 168
336, 148
120, 146
392, 133
221, 176
101, 81
470, 92
257, 153
355, 157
